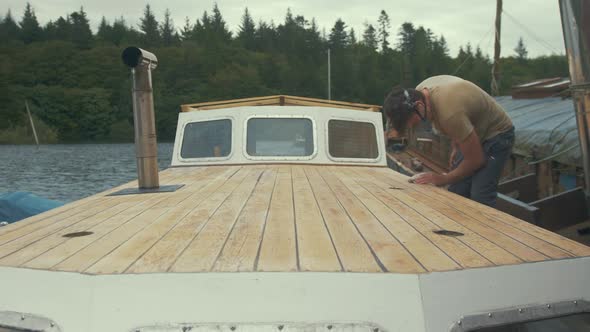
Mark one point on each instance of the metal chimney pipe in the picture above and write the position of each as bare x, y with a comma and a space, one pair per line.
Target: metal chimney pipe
141, 63
575, 19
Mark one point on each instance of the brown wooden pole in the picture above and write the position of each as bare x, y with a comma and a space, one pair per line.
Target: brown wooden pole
495, 89
32, 123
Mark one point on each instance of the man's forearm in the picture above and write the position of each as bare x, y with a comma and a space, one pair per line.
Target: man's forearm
465, 169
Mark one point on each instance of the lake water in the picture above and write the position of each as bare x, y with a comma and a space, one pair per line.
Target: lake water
70, 172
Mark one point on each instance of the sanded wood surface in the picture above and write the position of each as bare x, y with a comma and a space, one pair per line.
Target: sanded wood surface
278, 218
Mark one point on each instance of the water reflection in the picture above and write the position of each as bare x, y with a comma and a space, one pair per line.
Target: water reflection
69, 172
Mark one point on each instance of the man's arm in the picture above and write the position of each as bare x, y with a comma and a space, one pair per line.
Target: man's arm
473, 159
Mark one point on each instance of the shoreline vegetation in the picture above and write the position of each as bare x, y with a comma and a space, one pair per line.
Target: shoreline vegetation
79, 91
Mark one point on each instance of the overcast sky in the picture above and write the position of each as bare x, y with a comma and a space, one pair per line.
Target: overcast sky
460, 21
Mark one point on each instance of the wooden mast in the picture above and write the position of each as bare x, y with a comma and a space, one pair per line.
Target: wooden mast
495, 89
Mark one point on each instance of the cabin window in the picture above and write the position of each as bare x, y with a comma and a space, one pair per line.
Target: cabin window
207, 139
352, 140
570, 323
280, 137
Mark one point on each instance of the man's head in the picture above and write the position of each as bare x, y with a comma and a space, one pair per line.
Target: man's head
403, 108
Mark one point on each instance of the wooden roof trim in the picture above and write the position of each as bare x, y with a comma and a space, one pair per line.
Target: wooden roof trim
278, 100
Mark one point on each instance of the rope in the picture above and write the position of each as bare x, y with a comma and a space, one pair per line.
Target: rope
470, 56
534, 162
534, 36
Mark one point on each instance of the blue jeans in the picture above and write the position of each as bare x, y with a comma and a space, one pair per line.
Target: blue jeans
482, 186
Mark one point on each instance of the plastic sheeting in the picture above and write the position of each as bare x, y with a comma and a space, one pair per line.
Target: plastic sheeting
544, 128
15, 206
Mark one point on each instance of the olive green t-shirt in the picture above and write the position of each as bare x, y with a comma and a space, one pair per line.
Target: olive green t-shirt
459, 107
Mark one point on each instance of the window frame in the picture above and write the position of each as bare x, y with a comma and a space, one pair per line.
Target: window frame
351, 160
208, 159
279, 158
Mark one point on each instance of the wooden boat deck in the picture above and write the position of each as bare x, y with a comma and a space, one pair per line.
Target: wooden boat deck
278, 218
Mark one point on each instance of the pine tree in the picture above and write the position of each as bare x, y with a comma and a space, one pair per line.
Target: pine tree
62, 28
218, 26
121, 32
520, 49
149, 28
186, 33
384, 26
407, 46
352, 37
30, 29
442, 42
81, 34
420, 60
202, 29
478, 53
370, 37
266, 37
105, 30
338, 36
9, 30
167, 30
406, 38
246, 31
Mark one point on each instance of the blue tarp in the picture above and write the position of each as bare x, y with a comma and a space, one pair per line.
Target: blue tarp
15, 206
544, 127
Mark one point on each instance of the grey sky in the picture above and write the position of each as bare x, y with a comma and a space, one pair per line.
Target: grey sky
460, 21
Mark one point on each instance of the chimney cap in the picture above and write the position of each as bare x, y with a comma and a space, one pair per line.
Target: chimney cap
134, 56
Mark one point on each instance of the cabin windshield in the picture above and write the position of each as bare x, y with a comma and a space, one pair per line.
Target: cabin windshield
280, 137
207, 139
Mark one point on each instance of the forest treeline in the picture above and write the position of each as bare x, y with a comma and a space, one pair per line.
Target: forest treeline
78, 89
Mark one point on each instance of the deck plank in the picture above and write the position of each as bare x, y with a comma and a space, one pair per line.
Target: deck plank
32, 223
199, 208
388, 250
53, 221
571, 246
453, 247
353, 251
516, 241
204, 247
241, 249
488, 242
25, 227
278, 217
315, 247
543, 241
278, 250
161, 223
34, 248
429, 255
27, 247
90, 254
137, 205
67, 248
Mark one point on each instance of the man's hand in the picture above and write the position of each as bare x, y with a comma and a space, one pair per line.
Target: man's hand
429, 178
